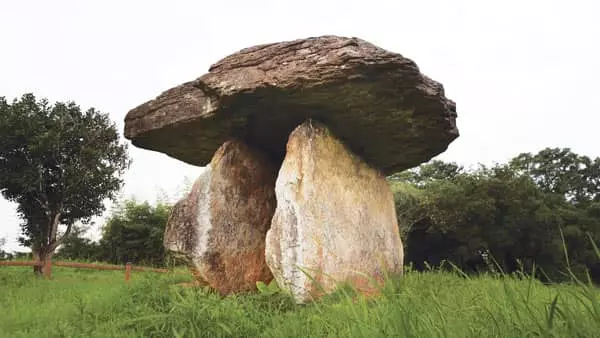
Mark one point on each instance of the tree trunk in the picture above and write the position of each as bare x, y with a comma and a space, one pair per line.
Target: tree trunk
43, 252
42, 256
47, 261
43, 249
38, 269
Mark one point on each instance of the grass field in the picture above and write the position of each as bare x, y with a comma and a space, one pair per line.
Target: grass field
84, 303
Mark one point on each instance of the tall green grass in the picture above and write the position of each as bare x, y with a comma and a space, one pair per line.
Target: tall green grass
80, 303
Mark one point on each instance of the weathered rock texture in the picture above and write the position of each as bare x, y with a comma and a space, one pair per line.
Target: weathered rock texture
220, 227
335, 218
374, 100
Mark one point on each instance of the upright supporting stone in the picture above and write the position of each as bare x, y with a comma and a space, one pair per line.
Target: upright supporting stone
335, 218
220, 227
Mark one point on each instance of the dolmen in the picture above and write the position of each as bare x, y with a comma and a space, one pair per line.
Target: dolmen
297, 138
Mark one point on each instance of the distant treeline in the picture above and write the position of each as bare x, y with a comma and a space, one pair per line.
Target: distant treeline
133, 233
539, 210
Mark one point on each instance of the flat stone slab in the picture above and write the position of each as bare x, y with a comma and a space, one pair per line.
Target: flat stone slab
220, 227
376, 101
335, 218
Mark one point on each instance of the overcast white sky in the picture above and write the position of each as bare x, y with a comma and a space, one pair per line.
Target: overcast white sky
524, 73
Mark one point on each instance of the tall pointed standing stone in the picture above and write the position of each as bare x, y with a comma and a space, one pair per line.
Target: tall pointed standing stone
220, 227
335, 218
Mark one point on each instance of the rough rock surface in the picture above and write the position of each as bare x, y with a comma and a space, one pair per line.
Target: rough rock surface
335, 218
374, 100
220, 227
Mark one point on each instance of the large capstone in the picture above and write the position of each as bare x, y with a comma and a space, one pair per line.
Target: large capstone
377, 102
220, 227
335, 220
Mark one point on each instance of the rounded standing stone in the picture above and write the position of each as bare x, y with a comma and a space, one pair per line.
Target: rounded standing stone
220, 227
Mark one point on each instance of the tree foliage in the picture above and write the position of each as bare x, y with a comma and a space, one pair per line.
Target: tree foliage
3, 254
434, 170
77, 247
58, 164
134, 233
560, 171
520, 212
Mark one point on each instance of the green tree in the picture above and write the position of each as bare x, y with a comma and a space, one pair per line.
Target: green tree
58, 164
561, 171
408, 200
433, 170
498, 209
76, 247
3, 254
134, 233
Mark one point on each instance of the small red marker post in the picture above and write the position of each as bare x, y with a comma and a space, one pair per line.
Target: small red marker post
127, 272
